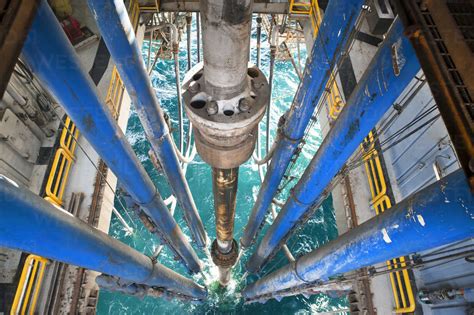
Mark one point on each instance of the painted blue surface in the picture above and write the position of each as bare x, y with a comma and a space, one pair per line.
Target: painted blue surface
373, 96
334, 34
31, 224
117, 32
53, 59
319, 230
440, 214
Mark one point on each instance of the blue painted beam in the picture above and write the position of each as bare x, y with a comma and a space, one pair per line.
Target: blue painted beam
53, 60
118, 33
333, 36
389, 73
440, 214
31, 224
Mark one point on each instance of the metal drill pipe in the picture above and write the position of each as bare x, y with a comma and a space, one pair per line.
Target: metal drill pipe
52, 58
224, 186
117, 32
333, 36
31, 224
226, 44
178, 92
390, 72
189, 19
198, 37
440, 214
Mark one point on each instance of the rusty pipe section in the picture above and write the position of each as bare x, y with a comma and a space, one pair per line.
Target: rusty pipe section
224, 249
224, 186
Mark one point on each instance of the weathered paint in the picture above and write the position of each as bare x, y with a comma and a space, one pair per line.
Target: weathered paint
52, 58
117, 32
327, 51
365, 246
359, 116
31, 224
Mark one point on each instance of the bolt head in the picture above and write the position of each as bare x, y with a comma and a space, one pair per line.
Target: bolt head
194, 87
212, 108
244, 105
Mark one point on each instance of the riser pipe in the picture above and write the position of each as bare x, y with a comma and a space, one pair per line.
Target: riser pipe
391, 70
52, 58
440, 214
115, 26
334, 34
31, 224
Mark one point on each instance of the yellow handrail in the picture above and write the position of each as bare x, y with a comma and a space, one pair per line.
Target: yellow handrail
116, 87
400, 279
29, 282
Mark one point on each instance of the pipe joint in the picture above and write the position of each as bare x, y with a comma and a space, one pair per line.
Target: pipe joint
224, 260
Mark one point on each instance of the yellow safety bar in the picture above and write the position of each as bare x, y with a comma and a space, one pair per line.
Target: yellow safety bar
116, 87
29, 285
400, 279
115, 93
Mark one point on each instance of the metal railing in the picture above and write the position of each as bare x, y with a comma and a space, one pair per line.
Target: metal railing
400, 279
312, 10
62, 162
29, 285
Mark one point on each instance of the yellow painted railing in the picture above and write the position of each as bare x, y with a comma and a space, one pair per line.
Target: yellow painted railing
62, 162
311, 8
115, 93
28, 289
400, 279
116, 88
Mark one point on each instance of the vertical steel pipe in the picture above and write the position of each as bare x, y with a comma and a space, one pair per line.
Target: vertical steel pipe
224, 186
189, 20
226, 42
31, 224
198, 37
440, 214
334, 34
52, 58
391, 70
224, 248
117, 31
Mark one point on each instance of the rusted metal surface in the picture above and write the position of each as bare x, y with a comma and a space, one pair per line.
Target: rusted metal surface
439, 53
224, 185
15, 20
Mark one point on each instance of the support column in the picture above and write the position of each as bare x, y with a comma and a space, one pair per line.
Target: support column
392, 69
53, 60
440, 214
117, 31
31, 224
332, 39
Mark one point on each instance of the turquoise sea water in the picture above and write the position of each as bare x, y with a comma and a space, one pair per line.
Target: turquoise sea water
320, 228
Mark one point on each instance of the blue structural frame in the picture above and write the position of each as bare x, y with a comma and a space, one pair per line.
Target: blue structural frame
440, 214
31, 224
52, 58
327, 51
118, 33
387, 76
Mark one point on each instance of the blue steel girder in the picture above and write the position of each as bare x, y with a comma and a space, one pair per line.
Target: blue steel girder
333, 37
53, 60
391, 70
440, 214
118, 33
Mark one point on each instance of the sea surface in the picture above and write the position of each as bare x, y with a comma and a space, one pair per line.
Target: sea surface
320, 229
